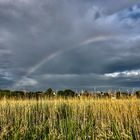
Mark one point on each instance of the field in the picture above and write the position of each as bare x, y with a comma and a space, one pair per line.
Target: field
70, 119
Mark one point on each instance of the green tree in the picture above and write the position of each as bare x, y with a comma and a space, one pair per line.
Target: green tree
69, 92
49, 92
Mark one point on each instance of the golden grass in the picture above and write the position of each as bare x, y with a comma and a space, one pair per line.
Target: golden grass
73, 118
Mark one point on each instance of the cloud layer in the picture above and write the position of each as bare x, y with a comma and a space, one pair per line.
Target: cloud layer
69, 44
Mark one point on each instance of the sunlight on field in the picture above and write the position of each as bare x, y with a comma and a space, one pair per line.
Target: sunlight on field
70, 119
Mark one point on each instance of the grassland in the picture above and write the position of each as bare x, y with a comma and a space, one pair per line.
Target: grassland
70, 119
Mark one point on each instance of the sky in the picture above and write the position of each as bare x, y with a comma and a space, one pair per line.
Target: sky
76, 44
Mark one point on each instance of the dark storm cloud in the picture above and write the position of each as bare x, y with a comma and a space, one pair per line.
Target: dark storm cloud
68, 43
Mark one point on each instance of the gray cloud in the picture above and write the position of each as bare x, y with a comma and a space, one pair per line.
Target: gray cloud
68, 44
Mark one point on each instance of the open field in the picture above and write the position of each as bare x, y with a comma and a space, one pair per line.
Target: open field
70, 119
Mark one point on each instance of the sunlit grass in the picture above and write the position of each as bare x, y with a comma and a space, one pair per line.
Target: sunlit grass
70, 119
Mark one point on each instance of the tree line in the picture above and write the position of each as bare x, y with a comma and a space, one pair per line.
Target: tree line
49, 93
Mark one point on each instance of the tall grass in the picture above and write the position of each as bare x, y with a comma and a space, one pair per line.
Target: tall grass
70, 119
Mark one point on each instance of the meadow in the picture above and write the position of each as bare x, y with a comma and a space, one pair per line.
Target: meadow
70, 119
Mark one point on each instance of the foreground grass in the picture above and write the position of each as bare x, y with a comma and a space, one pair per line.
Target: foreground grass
71, 119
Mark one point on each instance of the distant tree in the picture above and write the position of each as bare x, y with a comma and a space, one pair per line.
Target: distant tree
69, 92
118, 95
66, 93
137, 94
86, 94
60, 93
49, 92
107, 95
124, 94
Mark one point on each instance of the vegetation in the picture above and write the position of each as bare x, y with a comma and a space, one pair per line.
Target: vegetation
66, 115
66, 93
70, 119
